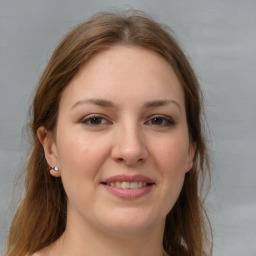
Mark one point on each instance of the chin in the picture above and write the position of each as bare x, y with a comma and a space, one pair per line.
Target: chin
129, 222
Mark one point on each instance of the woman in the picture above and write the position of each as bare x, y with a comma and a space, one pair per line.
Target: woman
118, 147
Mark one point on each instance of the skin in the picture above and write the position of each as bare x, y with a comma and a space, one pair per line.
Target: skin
133, 134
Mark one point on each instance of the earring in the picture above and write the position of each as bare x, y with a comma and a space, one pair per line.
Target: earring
55, 172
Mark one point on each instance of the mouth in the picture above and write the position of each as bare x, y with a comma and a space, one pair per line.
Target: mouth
128, 185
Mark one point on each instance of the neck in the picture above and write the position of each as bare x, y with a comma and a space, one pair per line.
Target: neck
86, 240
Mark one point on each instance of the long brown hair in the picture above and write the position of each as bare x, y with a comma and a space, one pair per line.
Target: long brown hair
41, 216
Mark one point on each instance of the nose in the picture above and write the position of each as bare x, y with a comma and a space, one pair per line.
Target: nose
129, 146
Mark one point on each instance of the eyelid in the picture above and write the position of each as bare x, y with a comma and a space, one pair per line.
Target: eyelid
91, 116
168, 119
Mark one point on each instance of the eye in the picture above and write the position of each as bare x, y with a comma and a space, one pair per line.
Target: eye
94, 120
161, 121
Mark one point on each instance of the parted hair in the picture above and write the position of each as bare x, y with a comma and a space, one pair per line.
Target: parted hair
41, 215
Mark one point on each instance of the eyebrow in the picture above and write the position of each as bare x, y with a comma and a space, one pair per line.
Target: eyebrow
98, 102
159, 103
110, 104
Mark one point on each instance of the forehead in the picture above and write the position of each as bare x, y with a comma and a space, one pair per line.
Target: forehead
124, 74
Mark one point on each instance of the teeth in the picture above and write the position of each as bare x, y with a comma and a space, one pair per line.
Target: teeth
127, 185
134, 185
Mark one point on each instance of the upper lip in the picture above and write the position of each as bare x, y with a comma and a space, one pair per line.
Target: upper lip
128, 178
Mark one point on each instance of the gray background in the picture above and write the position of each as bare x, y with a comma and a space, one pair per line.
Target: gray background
219, 37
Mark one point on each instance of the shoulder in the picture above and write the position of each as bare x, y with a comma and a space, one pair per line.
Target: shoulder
36, 254
43, 252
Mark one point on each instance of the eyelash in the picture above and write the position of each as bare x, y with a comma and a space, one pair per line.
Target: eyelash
164, 121
87, 120
167, 121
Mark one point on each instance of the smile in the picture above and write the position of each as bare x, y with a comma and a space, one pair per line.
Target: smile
127, 185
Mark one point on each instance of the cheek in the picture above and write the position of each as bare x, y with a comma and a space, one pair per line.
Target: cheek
72, 151
80, 154
80, 160
171, 159
172, 154
173, 169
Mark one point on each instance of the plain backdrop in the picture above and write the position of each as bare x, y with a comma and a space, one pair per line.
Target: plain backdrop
219, 37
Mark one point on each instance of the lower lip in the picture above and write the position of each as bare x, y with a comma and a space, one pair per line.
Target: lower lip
128, 193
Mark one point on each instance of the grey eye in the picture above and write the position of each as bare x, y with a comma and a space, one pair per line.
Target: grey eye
94, 121
161, 121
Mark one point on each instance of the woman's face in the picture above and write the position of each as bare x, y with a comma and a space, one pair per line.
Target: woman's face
121, 141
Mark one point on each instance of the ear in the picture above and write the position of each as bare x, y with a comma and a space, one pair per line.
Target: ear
47, 141
191, 155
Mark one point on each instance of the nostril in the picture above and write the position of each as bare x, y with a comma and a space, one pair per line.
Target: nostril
129, 153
